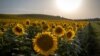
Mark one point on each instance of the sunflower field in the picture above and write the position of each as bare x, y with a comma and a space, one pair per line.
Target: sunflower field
30, 37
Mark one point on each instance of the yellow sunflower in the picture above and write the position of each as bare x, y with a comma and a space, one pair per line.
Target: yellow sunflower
3, 29
45, 43
34, 24
53, 26
45, 27
43, 22
69, 28
64, 25
70, 34
59, 31
75, 28
80, 26
27, 22
18, 29
1, 33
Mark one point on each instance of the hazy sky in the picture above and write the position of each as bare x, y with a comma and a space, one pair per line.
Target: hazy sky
88, 8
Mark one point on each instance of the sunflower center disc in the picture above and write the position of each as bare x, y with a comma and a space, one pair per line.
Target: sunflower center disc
69, 34
18, 29
59, 30
45, 42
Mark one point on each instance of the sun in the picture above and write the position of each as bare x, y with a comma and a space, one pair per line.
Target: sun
68, 5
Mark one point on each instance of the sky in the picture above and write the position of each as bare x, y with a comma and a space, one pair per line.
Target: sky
88, 8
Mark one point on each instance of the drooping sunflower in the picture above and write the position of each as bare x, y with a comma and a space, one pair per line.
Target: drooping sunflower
18, 29
70, 34
45, 43
59, 31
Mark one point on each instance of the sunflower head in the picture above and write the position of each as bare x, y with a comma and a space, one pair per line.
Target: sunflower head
59, 31
64, 25
3, 29
80, 26
1, 33
69, 28
45, 27
70, 34
34, 24
27, 22
4, 23
45, 43
18, 29
75, 28
43, 22
53, 26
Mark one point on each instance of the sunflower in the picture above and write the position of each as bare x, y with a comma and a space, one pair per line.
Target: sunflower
53, 26
45, 43
27, 22
3, 29
69, 28
75, 28
37, 23
80, 26
59, 31
34, 24
64, 25
45, 27
1, 33
18, 29
43, 22
70, 34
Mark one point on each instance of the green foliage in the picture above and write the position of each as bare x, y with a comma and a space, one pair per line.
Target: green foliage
69, 49
10, 44
13, 45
